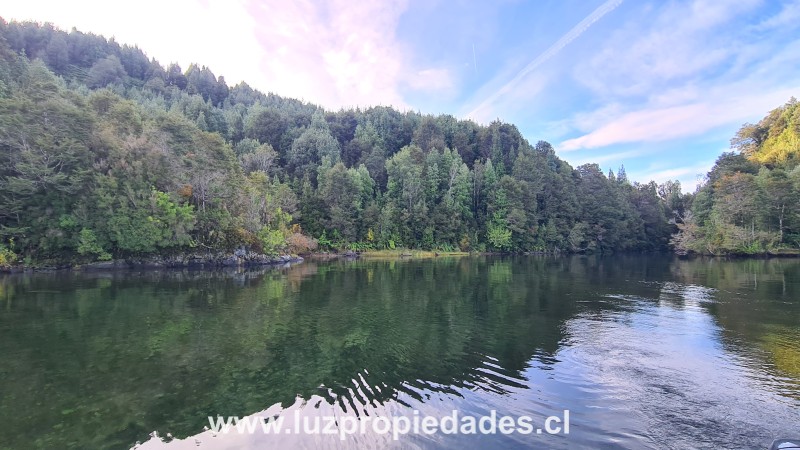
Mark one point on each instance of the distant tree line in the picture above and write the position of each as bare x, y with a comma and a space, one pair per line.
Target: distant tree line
750, 201
105, 153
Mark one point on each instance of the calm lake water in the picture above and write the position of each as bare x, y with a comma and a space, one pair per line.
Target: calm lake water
645, 352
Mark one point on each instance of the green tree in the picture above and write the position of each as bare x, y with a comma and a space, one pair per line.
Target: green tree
88, 245
308, 150
498, 234
107, 71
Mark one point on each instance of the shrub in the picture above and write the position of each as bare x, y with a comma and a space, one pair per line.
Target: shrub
299, 243
88, 245
7, 257
464, 243
273, 242
324, 242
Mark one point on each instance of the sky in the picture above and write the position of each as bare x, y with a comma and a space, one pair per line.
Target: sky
657, 86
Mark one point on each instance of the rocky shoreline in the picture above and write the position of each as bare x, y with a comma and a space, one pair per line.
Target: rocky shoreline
239, 258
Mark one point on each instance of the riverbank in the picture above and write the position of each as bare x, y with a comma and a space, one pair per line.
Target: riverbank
209, 260
388, 254
405, 253
242, 258
780, 253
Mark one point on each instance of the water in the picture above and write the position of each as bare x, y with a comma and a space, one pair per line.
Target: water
645, 352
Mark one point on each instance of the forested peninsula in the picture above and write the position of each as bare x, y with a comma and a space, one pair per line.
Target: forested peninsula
106, 154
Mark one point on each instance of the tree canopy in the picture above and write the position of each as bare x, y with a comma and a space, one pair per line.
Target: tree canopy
750, 201
106, 153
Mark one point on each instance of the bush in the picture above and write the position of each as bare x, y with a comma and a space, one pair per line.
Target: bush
299, 243
273, 242
445, 247
88, 245
464, 243
324, 242
7, 257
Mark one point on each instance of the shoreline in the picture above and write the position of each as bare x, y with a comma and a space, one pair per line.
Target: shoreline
237, 259
243, 259
389, 254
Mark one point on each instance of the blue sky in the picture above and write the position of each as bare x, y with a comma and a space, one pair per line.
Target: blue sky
659, 86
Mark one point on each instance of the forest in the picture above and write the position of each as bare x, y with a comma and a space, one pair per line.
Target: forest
750, 201
106, 154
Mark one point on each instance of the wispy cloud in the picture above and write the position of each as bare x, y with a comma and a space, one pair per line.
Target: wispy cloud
431, 80
663, 44
789, 14
480, 111
671, 174
691, 71
336, 53
618, 157
689, 176
663, 124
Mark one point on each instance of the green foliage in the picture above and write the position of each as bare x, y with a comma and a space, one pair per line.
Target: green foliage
324, 242
265, 125
273, 235
775, 139
311, 147
150, 222
88, 245
148, 158
174, 221
750, 202
498, 234
106, 71
7, 257
446, 247
272, 241
360, 246
464, 244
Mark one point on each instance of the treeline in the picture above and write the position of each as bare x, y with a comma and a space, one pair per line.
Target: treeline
750, 202
105, 153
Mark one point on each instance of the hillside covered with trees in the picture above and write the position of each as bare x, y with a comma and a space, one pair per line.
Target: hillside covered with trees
750, 202
105, 153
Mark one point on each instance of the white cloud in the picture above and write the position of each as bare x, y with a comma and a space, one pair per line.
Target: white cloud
335, 53
689, 176
688, 71
340, 53
676, 42
590, 120
431, 80
671, 174
788, 15
663, 124
617, 158
215, 33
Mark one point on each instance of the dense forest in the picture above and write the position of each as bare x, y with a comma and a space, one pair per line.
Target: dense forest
105, 153
750, 201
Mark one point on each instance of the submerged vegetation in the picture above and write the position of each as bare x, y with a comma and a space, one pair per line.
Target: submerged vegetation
105, 154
